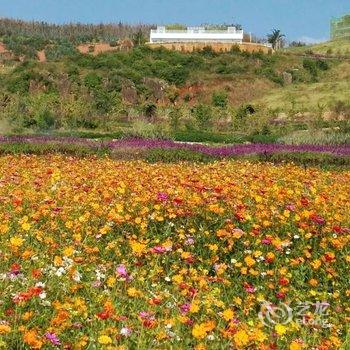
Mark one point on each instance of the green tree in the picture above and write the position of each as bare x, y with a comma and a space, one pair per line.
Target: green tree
276, 39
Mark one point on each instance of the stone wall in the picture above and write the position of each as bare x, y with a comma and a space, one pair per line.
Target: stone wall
217, 47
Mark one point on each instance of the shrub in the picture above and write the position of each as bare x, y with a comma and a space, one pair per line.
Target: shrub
175, 116
92, 80
220, 99
45, 120
244, 110
150, 110
147, 130
203, 115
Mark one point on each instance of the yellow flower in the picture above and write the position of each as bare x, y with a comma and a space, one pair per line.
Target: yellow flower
199, 331
16, 241
295, 346
26, 226
249, 261
4, 328
200, 346
194, 308
104, 339
241, 338
137, 247
111, 281
280, 329
260, 336
68, 251
228, 315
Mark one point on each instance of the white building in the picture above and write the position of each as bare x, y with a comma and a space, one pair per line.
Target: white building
196, 35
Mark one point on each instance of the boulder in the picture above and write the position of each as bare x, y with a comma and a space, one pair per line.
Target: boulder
129, 93
156, 86
287, 78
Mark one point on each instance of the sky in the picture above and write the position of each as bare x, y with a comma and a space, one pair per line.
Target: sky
305, 20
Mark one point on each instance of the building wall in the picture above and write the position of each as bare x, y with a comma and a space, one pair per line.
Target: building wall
217, 47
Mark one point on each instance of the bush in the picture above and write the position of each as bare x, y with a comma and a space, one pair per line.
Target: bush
92, 80
45, 120
220, 99
203, 115
147, 130
244, 111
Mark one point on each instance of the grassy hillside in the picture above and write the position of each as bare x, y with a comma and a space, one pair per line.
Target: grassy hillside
332, 87
336, 47
160, 93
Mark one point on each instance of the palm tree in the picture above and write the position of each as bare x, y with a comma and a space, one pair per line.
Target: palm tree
275, 38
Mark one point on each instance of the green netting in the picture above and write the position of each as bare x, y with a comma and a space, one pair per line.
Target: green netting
340, 27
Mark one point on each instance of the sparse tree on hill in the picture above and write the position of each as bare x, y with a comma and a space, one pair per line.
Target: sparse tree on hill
138, 38
276, 39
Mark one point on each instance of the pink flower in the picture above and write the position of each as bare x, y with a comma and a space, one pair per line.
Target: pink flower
145, 315
158, 249
189, 241
162, 196
121, 271
290, 207
185, 308
266, 241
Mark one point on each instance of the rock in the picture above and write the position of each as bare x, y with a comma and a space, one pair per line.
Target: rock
129, 92
304, 116
328, 116
287, 78
156, 86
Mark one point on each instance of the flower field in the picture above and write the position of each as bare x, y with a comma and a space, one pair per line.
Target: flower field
103, 254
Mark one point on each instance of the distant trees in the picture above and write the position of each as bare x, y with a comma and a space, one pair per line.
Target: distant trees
297, 44
276, 39
138, 38
41, 32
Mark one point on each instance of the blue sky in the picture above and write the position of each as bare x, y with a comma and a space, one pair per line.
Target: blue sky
298, 19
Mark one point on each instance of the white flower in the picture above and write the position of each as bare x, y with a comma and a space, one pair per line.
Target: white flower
296, 236
40, 284
42, 295
61, 271
76, 276
125, 331
210, 337
167, 279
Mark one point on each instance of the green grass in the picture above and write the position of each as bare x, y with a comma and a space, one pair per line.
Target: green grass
333, 86
336, 47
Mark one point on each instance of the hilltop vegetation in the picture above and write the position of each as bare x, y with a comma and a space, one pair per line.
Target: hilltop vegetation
160, 93
329, 48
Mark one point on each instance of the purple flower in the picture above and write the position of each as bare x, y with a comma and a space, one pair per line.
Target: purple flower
222, 151
52, 337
